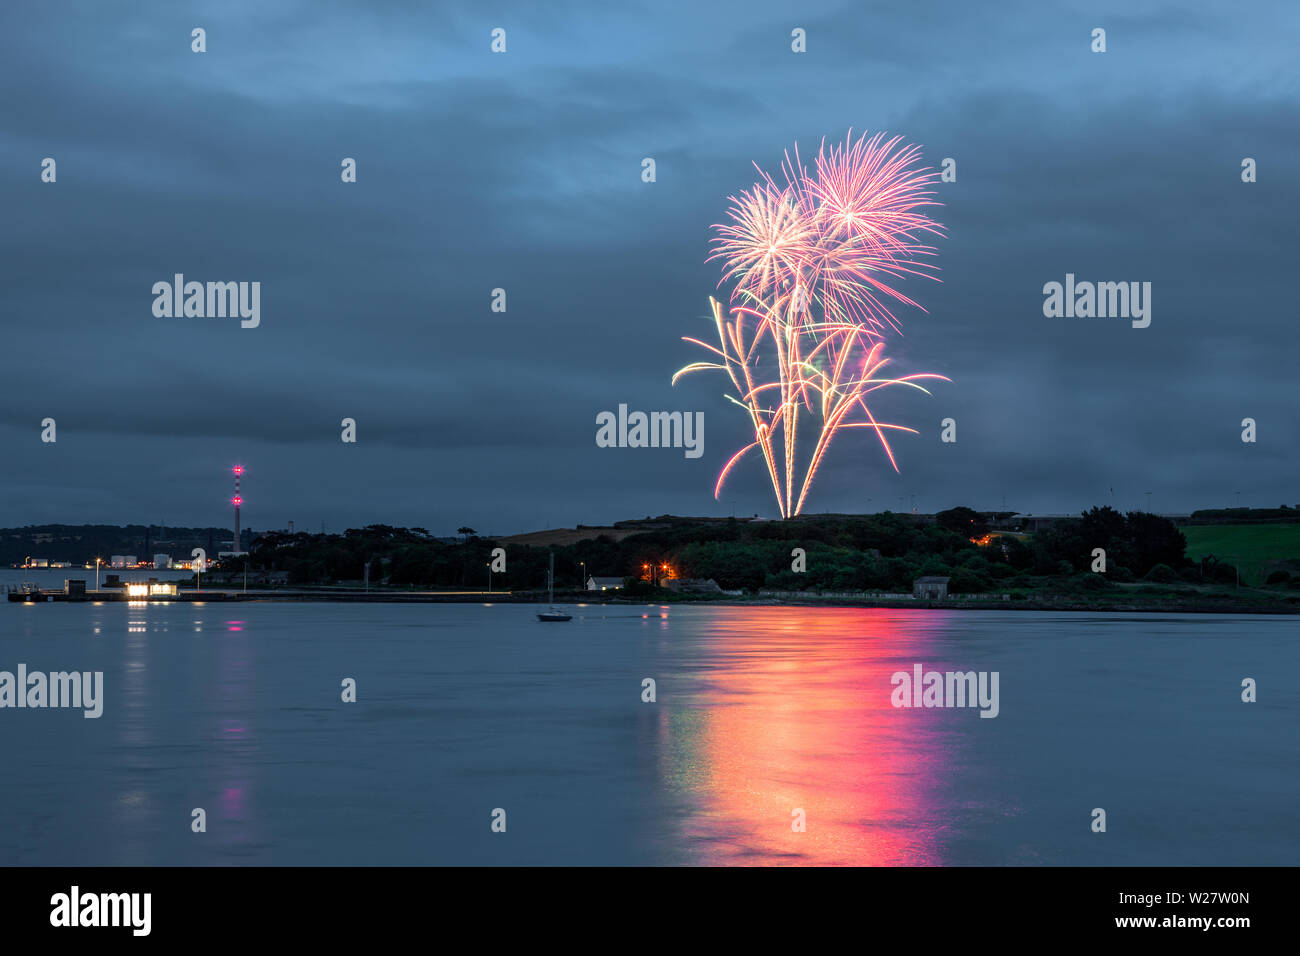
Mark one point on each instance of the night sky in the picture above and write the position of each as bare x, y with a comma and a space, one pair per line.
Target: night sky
522, 171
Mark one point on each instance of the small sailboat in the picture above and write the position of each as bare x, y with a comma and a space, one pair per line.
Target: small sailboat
552, 614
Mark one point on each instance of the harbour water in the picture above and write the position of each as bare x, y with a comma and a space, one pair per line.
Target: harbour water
762, 716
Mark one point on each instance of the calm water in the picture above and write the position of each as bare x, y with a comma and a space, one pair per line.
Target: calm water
465, 708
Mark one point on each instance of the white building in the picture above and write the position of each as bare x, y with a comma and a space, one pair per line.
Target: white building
162, 562
604, 584
138, 589
122, 561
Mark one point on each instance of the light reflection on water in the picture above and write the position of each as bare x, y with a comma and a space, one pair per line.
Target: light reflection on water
788, 715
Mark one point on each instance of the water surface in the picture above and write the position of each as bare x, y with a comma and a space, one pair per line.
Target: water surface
762, 711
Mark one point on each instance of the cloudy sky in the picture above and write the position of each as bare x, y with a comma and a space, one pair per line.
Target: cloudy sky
522, 171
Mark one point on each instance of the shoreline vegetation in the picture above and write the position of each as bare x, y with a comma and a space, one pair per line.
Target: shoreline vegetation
1101, 560
1179, 600
1139, 600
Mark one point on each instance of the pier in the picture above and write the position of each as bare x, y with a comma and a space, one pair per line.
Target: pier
31, 595
42, 596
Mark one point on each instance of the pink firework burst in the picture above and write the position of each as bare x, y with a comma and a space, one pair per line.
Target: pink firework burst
814, 262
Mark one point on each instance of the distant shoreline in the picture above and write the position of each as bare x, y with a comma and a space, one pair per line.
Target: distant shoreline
1166, 606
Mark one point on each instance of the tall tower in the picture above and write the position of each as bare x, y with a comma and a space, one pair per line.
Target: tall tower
237, 501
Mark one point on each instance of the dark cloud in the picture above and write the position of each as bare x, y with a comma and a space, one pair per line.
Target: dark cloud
523, 172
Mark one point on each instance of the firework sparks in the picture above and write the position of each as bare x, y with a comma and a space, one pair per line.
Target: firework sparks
813, 262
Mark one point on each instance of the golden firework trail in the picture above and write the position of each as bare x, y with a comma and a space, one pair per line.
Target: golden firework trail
813, 262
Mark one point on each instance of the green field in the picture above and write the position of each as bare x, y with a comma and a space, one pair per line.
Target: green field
1253, 544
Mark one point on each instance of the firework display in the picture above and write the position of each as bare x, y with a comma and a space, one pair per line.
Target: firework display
813, 262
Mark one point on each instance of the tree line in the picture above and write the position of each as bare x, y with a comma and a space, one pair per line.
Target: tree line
882, 552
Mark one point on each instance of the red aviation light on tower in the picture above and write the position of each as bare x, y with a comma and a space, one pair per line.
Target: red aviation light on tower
238, 500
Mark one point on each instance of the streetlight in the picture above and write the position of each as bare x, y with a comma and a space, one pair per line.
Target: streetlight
489, 567
97, 563
584, 573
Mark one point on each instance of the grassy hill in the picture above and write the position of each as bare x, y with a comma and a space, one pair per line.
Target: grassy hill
1256, 545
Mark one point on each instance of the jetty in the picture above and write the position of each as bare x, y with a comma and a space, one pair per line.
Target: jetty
155, 593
